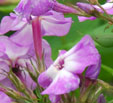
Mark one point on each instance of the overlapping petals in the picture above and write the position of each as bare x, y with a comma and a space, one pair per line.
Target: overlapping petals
26, 8
12, 50
16, 55
93, 71
11, 23
11, 54
34, 7
62, 76
52, 23
61, 85
55, 23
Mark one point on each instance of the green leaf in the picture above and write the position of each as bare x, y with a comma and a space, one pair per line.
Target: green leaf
103, 35
7, 8
105, 40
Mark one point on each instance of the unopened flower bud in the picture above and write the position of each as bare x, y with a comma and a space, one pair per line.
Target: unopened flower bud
101, 99
64, 9
88, 8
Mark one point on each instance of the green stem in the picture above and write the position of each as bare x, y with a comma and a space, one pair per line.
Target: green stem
107, 17
103, 10
83, 97
108, 69
106, 86
94, 94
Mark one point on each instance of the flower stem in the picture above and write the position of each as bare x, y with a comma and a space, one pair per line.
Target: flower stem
106, 86
37, 36
108, 69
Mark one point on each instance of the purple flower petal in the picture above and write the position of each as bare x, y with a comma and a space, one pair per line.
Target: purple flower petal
31, 55
44, 80
93, 70
81, 18
107, 6
24, 33
28, 80
47, 53
61, 52
11, 22
81, 55
55, 24
34, 7
63, 83
6, 82
88, 8
101, 99
54, 98
12, 50
4, 98
4, 69
61, 77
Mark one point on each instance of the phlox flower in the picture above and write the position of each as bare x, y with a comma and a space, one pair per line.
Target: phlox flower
14, 55
11, 55
63, 75
40, 22
52, 24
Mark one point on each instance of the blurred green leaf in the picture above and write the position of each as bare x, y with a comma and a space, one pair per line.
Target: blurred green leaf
104, 35
7, 8
104, 39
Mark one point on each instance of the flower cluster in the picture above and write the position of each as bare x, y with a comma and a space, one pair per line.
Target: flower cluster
25, 57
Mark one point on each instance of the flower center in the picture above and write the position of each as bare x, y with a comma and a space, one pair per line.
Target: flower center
60, 64
16, 70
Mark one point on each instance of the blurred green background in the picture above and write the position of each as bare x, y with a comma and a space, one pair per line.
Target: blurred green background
78, 30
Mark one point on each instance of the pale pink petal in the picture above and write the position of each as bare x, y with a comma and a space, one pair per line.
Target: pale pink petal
24, 36
11, 23
44, 80
13, 50
61, 52
47, 53
4, 69
54, 98
93, 71
6, 82
55, 25
28, 80
82, 18
63, 83
81, 55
